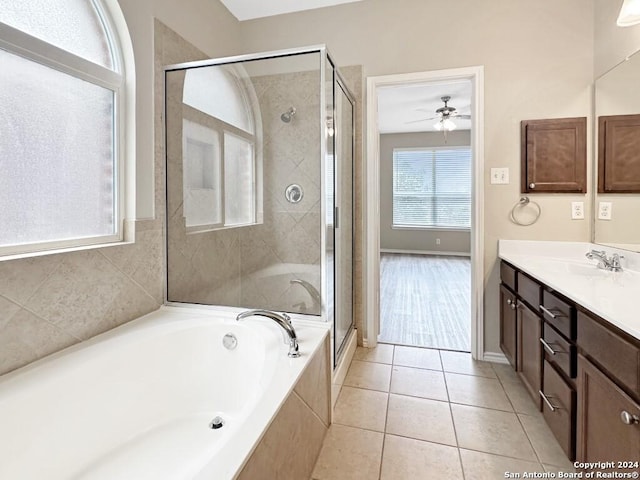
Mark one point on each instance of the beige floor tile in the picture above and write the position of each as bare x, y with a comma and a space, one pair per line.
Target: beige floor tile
486, 466
478, 391
458, 362
418, 382
544, 443
520, 398
491, 431
406, 458
382, 353
417, 357
374, 376
349, 454
361, 408
421, 419
505, 373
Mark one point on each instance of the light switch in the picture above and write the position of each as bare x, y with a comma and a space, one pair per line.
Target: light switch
500, 176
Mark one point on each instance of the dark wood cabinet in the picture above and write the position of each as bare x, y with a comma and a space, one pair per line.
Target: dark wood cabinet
508, 331
559, 408
619, 154
554, 155
529, 326
608, 420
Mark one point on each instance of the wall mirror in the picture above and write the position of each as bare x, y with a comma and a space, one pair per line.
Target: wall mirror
617, 156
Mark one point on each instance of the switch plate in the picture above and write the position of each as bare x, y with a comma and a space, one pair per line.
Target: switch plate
500, 176
577, 210
604, 210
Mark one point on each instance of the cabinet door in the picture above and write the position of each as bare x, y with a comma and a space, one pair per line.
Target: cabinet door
608, 428
508, 339
554, 155
529, 328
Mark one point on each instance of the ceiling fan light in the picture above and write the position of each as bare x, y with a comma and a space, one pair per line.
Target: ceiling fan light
438, 125
629, 13
448, 125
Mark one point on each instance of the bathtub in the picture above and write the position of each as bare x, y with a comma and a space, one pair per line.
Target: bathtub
137, 402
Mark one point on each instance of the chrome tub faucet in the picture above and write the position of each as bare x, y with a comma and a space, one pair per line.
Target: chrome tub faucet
281, 319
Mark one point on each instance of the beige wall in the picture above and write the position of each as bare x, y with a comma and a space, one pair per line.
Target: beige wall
538, 59
612, 44
53, 301
415, 240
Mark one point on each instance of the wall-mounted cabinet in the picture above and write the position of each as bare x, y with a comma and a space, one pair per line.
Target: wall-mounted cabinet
554, 155
619, 154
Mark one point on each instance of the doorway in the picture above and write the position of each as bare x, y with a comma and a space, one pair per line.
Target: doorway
435, 242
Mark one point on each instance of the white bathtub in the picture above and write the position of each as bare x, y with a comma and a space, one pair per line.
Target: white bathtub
136, 402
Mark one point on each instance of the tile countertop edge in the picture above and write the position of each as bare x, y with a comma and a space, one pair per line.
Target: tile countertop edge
614, 301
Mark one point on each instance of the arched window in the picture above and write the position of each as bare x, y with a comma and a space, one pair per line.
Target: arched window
62, 110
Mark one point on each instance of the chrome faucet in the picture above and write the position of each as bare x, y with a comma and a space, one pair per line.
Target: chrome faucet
313, 292
281, 319
606, 263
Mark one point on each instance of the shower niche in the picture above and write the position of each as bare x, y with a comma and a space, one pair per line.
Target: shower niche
259, 152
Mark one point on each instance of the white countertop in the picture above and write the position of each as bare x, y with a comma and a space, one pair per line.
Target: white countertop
614, 296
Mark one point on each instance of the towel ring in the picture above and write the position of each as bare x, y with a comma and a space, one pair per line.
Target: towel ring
523, 202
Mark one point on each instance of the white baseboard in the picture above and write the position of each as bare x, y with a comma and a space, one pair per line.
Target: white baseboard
425, 252
495, 357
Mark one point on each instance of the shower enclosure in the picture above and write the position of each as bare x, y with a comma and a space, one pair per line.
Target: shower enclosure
259, 185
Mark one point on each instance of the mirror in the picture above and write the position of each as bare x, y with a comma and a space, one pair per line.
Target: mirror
616, 161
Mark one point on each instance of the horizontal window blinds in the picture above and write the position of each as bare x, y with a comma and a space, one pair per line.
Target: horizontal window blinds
432, 187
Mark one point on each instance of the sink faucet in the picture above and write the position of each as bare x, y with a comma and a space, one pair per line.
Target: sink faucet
281, 319
607, 263
313, 292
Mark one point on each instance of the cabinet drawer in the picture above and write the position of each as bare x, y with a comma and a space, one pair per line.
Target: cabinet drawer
508, 331
618, 357
558, 351
560, 314
508, 275
607, 429
558, 408
529, 290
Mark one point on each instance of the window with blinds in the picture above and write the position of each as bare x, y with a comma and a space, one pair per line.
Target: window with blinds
432, 187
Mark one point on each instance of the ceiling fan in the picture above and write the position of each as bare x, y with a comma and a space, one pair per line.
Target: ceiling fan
444, 115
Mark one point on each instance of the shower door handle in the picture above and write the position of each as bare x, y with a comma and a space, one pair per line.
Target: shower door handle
336, 218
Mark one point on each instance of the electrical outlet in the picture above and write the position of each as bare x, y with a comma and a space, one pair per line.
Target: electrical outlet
500, 176
604, 210
577, 210
437, 241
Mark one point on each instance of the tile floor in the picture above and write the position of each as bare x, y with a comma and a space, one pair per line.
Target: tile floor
417, 413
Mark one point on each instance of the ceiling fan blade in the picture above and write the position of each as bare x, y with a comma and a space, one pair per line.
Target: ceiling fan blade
468, 117
418, 121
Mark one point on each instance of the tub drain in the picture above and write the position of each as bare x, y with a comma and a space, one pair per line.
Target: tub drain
217, 423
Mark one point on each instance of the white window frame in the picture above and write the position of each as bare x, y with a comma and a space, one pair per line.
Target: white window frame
15, 41
403, 226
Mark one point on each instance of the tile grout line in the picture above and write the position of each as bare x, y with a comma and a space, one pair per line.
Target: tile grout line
455, 430
386, 417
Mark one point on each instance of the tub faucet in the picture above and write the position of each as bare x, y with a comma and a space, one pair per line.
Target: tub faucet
281, 319
607, 263
313, 292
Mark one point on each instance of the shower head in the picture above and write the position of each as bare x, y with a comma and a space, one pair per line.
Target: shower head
287, 116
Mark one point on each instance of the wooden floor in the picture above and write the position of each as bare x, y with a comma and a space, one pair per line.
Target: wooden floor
425, 301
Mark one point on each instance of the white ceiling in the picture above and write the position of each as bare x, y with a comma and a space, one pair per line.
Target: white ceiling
399, 105
249, 9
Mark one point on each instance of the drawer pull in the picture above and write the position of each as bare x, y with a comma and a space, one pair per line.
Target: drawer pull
547, 347
551, 406
551, 313
629, 419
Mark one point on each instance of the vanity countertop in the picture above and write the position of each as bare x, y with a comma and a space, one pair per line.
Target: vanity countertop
614, 296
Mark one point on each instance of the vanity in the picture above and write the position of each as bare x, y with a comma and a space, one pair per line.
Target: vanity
572, 332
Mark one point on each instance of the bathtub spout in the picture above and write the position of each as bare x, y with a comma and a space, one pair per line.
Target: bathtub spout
313, 292
281, 319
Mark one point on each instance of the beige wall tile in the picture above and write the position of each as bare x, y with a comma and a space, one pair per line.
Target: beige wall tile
315, 385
